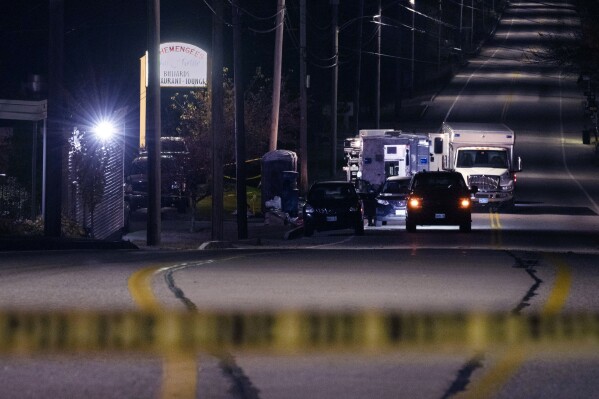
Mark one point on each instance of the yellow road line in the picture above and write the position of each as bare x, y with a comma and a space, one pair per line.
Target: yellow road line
495, 222
179, 371
511, 361
561, 288
179, 376
140, 288
496, 227
508, 102
492, 382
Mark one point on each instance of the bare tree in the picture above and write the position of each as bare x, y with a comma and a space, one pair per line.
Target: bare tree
578, 51
194, 124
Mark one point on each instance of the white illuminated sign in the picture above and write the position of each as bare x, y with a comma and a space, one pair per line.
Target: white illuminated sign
182, 65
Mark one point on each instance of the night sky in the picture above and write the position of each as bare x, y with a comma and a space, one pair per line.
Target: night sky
104, 40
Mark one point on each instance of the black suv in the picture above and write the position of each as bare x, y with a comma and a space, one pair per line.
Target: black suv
173, 171
333, 205
439, 198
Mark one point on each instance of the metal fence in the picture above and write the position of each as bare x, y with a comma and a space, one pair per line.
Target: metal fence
108, 215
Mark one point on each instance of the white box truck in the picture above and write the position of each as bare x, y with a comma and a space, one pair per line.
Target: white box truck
484, 154
376, 154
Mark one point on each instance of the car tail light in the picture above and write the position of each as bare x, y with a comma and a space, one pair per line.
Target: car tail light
464, 203
415, 203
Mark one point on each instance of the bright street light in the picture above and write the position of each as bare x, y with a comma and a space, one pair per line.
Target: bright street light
104, 130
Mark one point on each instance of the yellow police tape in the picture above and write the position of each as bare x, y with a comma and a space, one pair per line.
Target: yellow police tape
289, 332
247, 178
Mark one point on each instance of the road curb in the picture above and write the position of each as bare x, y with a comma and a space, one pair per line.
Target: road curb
294, 233
216, 245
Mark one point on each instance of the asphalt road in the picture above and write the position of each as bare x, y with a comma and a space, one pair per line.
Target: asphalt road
335, 279
539, 260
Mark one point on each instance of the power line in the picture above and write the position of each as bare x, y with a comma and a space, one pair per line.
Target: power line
256, 17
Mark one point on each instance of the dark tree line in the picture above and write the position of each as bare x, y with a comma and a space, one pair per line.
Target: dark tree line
577, 52
194, 123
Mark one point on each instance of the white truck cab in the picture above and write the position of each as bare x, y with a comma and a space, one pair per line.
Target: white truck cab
484, 154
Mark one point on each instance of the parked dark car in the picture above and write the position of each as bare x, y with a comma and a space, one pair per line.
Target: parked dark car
173, 177
173, 184
333, 205
439, 198
391, 200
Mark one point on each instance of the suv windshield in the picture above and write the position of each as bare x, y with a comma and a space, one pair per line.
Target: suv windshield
396, 186
168, 164
322, 192
482, 159
439, 180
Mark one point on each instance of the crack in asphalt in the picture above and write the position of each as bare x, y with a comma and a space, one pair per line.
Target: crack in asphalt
529, 267
241, 385
463, 378
460, 383
179, 294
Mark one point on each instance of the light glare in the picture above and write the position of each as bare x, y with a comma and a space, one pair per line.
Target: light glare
104, 130
414, 203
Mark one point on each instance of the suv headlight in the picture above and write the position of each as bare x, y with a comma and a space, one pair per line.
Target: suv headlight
382, 201
308, 209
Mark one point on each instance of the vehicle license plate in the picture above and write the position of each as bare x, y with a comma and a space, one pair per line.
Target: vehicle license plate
331, 218
400, 212
483, 200
439, 216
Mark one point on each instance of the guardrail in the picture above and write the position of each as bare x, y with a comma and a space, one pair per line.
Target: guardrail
290, 332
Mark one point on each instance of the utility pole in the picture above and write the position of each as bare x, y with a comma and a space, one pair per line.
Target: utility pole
412, 83
154, 125
377, 91
484, 22
33, 213
399, 45
471, 22
439, 35
303, 103
358, 77
217, 121
334, 82
461, 24
55, 141
276, 84
242, 217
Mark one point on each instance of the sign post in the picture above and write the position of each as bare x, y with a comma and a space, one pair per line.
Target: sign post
180, 65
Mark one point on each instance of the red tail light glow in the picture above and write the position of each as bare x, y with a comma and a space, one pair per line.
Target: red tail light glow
415, 203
